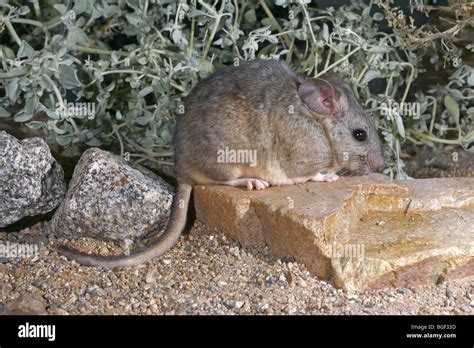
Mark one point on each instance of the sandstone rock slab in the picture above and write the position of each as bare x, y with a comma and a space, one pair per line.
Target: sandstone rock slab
112, 199
31, 181
360, 232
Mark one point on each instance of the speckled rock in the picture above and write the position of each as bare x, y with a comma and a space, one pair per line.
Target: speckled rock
31, 181
111, 199
360, 232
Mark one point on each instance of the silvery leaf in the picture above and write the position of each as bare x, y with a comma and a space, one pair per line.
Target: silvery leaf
25, 50
67, 77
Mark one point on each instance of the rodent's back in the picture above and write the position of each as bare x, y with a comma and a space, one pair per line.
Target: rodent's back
250, 80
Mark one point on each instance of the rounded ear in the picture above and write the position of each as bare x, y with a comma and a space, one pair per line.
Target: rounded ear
334, 79
319, 95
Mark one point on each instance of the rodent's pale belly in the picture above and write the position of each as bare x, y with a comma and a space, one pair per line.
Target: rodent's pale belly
275, 175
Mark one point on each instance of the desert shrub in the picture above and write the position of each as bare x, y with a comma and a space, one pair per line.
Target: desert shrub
136, 59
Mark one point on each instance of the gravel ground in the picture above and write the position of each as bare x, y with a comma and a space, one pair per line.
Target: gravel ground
202, 274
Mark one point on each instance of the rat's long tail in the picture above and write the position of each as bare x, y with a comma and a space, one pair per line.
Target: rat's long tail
170, 236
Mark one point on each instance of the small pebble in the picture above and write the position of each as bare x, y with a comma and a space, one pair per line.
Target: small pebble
17, 272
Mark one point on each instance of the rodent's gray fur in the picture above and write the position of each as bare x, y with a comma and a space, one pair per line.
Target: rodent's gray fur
301, 130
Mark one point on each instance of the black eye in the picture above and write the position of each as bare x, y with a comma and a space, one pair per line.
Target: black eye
359, 134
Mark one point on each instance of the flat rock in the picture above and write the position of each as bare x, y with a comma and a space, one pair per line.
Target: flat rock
111, 199
31, 181
359, 233
28, 304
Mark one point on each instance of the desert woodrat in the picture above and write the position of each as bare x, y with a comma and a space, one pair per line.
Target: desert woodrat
300, 129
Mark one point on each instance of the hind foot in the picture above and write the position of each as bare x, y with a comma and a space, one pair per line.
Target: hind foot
327, 177
249, 183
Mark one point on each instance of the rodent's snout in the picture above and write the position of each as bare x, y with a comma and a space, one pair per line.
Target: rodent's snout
376, 161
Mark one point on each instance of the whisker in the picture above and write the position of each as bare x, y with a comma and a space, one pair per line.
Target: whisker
321, 159
353, 161
357, 159
343, 171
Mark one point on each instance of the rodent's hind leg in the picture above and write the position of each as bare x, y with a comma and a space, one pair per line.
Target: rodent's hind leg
249, 183
325, 177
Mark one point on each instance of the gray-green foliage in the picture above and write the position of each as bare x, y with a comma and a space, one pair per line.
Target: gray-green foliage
167, 46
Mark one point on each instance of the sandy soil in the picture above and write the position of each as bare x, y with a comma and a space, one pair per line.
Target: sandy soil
202, 274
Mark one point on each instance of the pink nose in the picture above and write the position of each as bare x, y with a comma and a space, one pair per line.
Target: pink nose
376, 161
